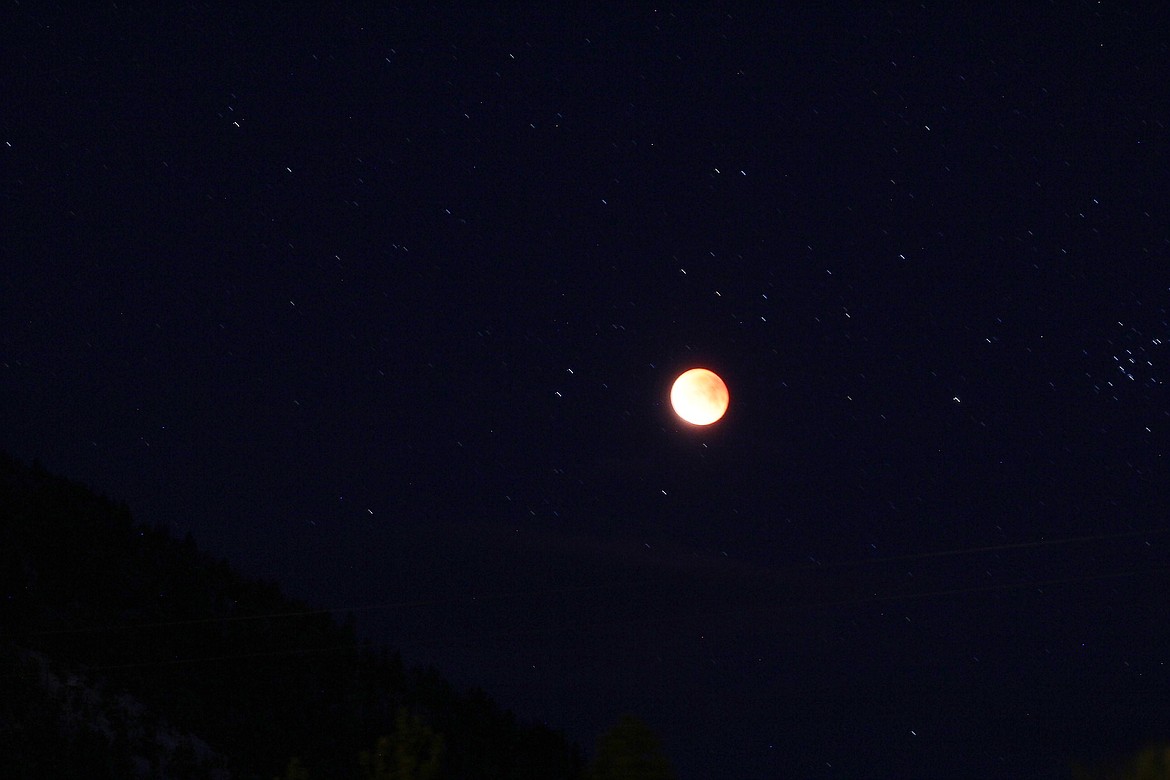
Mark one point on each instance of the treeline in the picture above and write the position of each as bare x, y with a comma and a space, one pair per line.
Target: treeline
126, 652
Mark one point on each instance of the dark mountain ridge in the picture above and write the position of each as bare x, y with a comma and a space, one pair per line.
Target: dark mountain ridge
125, 652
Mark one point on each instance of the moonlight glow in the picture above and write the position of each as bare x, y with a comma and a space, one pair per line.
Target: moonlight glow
699, 396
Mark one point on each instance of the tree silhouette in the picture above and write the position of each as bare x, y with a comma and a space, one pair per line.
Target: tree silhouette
412, 752
629, 751
1150, 763
295, 770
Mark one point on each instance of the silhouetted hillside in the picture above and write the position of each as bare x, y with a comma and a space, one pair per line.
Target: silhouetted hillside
127, 652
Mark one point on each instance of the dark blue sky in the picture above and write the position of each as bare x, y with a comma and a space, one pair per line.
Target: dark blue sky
385, 305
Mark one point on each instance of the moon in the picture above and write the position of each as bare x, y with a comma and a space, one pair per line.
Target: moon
699, 396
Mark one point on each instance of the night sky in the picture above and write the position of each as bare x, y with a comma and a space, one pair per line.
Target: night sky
386, 305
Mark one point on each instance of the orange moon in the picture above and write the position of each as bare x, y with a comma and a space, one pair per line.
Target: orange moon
699, 396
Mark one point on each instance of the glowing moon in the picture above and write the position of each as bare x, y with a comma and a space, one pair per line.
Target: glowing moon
699, 396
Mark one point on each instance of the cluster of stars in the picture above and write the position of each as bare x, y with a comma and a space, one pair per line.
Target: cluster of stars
1136, 366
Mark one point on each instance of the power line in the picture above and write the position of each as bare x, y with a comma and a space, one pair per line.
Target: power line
582, 626
472, 599
448, 601
641, 620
